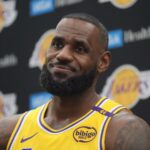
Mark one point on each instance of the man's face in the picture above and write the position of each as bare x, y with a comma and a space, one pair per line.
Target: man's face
71, 60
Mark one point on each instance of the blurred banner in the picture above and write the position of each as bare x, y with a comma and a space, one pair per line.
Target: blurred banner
27, 28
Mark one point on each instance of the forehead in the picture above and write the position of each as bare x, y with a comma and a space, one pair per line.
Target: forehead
76, 28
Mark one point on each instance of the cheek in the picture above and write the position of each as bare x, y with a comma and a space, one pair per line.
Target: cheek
86, 63
50, 55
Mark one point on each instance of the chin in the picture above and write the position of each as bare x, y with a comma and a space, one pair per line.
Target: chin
64, 85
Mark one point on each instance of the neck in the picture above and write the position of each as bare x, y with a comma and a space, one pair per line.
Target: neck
72, 106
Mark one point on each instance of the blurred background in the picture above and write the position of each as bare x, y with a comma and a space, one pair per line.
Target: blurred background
27, 28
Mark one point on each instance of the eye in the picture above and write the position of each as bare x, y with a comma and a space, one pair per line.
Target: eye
57, 45
81, 49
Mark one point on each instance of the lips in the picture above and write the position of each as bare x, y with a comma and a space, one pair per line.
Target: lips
62, 68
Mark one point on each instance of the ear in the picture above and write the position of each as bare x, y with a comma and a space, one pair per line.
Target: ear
104, 61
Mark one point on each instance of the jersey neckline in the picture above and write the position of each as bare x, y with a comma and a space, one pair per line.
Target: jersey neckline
42, 123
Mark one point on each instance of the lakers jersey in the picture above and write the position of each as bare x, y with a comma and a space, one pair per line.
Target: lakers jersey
86, 133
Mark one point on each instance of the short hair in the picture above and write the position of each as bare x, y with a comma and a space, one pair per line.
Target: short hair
91, 19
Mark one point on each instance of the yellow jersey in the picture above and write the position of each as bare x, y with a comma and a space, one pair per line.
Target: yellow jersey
86, 133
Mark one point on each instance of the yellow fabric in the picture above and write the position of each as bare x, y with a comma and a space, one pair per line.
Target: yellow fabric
86, 133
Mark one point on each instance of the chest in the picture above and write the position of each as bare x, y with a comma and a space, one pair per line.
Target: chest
84, 134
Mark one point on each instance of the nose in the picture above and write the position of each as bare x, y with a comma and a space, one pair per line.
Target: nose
65, 54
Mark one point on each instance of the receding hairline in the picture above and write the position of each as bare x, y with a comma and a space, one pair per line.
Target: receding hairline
93, 20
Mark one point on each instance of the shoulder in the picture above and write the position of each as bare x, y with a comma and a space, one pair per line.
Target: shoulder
7, 126
126, 131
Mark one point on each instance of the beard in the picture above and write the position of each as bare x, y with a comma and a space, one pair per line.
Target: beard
72, 86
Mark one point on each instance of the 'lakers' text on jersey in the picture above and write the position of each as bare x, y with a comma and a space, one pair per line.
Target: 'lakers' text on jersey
86, 133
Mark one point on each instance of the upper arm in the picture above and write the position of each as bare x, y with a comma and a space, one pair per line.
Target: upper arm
7, 126
128, 132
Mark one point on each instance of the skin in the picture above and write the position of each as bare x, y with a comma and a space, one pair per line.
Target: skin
77, 43
6, 127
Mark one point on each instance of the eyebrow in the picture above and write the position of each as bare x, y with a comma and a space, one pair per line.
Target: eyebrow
81, 41
57, 38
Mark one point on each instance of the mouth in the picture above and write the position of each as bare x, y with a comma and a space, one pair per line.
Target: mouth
62, 68
59, 68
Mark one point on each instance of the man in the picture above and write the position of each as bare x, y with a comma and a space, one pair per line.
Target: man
77, 118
